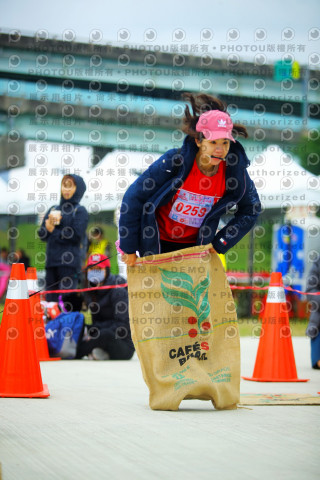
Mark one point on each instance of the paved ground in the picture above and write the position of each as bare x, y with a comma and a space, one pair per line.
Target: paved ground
97, 425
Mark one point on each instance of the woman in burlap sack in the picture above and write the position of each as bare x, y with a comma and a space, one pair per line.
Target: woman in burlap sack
178, 201
176, 205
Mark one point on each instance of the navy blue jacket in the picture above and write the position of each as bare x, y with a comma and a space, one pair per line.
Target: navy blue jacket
63, 244
109, 308
138, 228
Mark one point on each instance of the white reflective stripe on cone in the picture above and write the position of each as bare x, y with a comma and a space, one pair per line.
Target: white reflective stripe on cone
17, 290
32, 285
276, 295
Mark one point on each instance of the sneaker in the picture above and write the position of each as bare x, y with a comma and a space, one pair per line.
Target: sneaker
100, 354
87, 357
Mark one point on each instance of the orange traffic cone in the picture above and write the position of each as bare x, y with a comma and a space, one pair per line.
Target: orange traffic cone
275, 358
39, 331
20, 374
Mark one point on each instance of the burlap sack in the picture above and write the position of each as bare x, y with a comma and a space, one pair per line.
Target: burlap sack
184, 328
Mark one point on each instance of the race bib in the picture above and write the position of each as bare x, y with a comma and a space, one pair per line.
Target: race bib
191, 208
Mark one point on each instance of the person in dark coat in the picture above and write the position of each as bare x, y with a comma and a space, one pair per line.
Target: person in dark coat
63, 229
179, 200
313, 328
22, 257
108, 337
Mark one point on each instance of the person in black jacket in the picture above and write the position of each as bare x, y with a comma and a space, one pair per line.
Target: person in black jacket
22, 257
108, 337
63, 228
179, 200
313, 328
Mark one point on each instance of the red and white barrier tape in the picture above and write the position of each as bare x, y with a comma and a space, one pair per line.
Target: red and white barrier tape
235, 287
105, 287
122, 285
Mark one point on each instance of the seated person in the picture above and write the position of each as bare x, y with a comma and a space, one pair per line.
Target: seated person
109, 335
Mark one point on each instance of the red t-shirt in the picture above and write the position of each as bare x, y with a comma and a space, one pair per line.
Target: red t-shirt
180, 219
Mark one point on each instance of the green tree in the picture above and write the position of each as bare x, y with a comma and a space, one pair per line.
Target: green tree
309, 151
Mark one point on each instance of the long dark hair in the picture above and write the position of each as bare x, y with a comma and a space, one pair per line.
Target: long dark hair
202, 103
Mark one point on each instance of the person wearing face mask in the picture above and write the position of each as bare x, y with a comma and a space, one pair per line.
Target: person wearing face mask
108, 337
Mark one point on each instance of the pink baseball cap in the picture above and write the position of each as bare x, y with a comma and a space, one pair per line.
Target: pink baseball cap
215, 124
97, 257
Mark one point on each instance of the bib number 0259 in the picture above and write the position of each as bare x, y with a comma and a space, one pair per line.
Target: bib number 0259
192, 210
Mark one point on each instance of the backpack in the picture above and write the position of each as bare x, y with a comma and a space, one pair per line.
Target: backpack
63, 334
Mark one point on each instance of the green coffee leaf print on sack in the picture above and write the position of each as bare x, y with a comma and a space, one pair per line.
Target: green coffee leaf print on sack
178, 289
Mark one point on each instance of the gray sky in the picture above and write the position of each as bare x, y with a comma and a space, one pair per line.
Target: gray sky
222, 25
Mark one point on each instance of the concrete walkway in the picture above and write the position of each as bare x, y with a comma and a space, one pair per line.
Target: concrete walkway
97, 425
